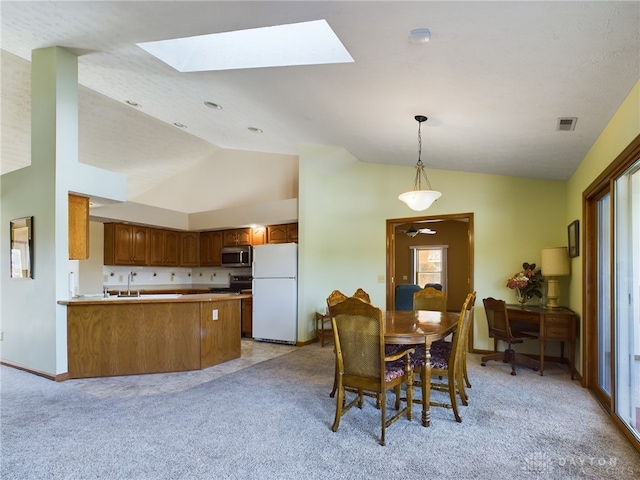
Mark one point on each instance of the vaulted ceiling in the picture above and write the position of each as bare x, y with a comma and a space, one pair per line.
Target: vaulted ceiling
493, 80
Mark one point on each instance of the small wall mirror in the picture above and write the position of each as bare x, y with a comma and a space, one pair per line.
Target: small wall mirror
22, 248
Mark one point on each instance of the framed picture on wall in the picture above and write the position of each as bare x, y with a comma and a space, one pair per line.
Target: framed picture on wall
573, 231
21, 241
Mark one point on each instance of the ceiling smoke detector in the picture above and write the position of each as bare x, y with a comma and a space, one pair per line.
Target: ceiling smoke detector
566, 124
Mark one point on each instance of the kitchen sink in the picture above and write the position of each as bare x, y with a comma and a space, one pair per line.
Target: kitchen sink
150, 296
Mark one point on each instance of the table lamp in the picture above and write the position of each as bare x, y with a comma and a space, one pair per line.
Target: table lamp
555, 263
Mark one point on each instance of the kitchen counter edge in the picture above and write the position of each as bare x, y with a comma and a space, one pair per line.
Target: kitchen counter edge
187, 298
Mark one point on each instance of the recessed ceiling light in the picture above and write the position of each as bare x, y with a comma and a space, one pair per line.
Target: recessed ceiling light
133, 104
213, 105
180, 125
254, 130
418, 36
305, 43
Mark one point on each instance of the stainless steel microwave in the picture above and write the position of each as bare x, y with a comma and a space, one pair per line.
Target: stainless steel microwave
236, 256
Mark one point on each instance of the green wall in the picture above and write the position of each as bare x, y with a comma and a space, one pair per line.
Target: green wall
621, 130
344, 205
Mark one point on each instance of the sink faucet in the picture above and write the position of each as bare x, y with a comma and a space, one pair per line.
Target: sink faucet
129, 280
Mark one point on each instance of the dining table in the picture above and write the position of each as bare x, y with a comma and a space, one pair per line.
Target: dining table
411, 327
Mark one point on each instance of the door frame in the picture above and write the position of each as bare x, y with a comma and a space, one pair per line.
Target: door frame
393, 223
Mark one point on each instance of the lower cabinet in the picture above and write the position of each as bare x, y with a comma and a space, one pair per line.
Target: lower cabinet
220, 337
247, 317
134, 337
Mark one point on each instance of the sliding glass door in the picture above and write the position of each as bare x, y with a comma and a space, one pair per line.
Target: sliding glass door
611, 295
626, 288
604, 296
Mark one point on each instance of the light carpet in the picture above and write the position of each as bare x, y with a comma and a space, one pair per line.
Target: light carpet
272, 420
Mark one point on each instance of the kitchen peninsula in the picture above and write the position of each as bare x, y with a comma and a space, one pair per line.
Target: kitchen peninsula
151, 333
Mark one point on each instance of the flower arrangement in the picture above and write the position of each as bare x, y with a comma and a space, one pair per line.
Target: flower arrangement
527, 283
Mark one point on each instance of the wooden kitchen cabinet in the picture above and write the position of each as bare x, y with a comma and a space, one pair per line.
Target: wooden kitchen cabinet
189, 249
126, 244
284, 233
237, 236
210, 248
78, 227
220, 338
258, 236
163, 247
247, 317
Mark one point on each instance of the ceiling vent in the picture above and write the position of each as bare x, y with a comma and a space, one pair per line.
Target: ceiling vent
567, 124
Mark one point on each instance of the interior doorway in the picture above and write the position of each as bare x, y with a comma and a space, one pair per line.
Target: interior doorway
454, 232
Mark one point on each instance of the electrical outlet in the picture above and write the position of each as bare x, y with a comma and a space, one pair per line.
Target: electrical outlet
380, 278
214, 315
105, 278
120, 278
1, 336
211, 277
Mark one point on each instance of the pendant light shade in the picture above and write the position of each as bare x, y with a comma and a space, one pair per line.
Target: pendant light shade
420, 199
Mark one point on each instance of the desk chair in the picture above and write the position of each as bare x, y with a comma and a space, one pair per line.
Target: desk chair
500, 329
361, 362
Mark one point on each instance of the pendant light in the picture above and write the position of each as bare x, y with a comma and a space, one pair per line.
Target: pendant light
419, 199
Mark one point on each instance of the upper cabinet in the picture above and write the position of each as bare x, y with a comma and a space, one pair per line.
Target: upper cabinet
126, 244
237, 236
285, 233
78, 227
164, 247
210, 248
189, 249
258, 236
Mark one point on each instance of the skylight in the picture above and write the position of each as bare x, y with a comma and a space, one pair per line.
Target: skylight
306, 43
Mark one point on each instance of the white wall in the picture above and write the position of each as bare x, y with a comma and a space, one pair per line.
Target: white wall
34, 325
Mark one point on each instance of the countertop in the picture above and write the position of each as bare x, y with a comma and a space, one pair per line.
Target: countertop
153, 298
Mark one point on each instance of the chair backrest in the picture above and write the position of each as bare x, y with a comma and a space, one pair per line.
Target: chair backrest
335, 297
362, 295
430, 299
404, 295
497, 318
359, 339
461, 339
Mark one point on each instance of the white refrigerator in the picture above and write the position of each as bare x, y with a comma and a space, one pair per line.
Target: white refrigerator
275, 293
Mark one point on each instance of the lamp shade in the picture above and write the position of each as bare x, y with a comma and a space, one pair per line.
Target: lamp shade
419, 200
555, 262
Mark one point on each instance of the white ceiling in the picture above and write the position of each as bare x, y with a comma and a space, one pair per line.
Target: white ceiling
493, 81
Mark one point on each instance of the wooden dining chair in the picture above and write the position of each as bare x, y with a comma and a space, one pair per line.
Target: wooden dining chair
333, 299
447, 362
430, 298
362, 365
323, 322
362, 295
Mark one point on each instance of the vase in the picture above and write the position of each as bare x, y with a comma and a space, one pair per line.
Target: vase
521, 296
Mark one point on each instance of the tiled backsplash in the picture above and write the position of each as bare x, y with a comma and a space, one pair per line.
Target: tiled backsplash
145, 277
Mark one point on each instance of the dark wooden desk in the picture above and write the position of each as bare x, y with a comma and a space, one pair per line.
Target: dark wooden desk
557, 324
407, 327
